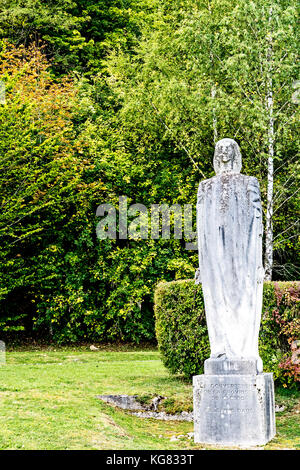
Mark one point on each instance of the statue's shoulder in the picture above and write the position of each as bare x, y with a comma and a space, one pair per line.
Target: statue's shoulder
207, 182
245, 179
241, 176
248, 180
204, 186
252, 181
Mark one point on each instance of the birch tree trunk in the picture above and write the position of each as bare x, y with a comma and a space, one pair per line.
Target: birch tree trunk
271, 139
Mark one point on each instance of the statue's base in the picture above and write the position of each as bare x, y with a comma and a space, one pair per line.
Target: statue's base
228, 366
234, 410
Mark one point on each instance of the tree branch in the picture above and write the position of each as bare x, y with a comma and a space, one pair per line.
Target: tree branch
284, 202
180, 143
286, 230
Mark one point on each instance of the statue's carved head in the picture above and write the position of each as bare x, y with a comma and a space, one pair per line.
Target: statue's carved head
227, 157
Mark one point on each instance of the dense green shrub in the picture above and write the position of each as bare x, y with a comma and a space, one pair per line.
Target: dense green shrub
182, 333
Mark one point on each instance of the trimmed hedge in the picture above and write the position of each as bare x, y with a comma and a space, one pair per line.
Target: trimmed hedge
183, 339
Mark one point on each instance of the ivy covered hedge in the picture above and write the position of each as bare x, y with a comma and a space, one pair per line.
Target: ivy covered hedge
183, 338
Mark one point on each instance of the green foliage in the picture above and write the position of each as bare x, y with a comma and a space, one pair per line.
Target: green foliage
45, 198
182, 333
203, 72
137, 120
57, 279
180, 326
280, 331
77, 33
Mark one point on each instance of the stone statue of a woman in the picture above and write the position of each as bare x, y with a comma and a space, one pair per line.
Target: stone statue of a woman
229, 225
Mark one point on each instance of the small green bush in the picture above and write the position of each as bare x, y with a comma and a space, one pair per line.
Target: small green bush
183, 338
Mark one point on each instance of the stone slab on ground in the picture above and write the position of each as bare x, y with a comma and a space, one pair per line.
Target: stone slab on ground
183, 416
126, 402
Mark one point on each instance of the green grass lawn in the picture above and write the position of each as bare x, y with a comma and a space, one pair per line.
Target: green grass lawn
47, 401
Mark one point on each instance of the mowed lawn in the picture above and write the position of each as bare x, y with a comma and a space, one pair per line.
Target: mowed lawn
48, 401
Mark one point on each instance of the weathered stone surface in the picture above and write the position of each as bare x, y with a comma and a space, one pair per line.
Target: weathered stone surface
234, 410
127, 402
229, 225
226, 366
183, 416
233, 400
131, 402
2, 353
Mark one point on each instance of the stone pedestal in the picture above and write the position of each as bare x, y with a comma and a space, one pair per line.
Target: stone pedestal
233, 408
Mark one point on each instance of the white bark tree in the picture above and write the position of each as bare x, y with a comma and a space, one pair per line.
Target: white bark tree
259, 72
271, 139
225, 69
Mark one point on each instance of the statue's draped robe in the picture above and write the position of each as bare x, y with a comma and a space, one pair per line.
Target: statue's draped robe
229, 225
